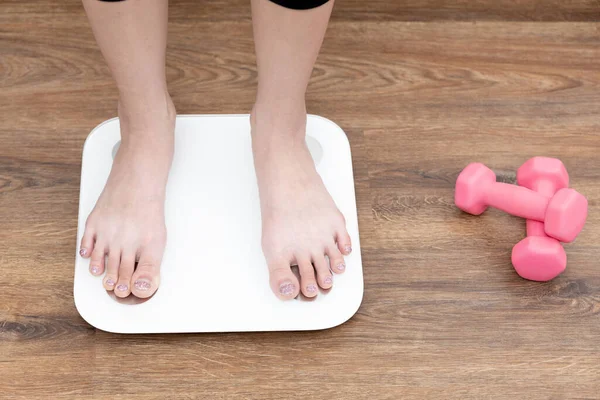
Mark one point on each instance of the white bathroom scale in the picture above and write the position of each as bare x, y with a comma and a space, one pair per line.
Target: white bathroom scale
214, 277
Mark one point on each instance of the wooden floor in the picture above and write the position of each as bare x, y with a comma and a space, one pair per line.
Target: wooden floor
422, 88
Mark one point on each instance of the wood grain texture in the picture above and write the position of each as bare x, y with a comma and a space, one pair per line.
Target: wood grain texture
422, 88
352, 10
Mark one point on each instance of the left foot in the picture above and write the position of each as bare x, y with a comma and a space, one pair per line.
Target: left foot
128, 221
301, 224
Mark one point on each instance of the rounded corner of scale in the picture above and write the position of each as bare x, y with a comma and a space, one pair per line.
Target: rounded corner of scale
88, 315
335, 127
346, 316
96, 129
326, 120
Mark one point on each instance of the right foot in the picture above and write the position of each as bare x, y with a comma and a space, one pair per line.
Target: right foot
301, 224
128, 221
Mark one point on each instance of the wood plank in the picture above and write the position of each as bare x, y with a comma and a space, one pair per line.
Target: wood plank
349, 10
443, 315
524, 77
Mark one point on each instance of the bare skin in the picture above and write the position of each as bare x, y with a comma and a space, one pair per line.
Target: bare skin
301, 224
128, 223
125, 234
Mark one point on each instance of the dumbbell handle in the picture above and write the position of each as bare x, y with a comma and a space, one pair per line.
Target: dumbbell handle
535, 228
517, 200
545, 188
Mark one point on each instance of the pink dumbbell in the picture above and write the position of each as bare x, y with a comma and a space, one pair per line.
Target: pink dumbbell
563, 215
539, 257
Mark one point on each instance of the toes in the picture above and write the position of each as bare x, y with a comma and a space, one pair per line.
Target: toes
344, 243
112, 271
336, 260
146, 278
324, 276
283, 281
123, 288
307, 278
87, 244
97, 259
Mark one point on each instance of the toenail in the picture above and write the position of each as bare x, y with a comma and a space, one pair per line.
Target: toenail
122, 288
311, 288
348, 249
328, 280
287, 288
95, 270
110, 282
341, 267
82, 252
143, 285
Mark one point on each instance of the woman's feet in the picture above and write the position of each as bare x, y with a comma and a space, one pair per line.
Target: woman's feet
301, 225
128, 224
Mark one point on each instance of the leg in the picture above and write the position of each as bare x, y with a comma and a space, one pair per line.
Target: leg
127, 223
301, 223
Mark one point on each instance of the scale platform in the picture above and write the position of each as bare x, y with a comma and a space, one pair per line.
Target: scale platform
207, 284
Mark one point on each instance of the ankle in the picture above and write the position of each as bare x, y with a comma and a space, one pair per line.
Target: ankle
151, 157
142, 114
272, 121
